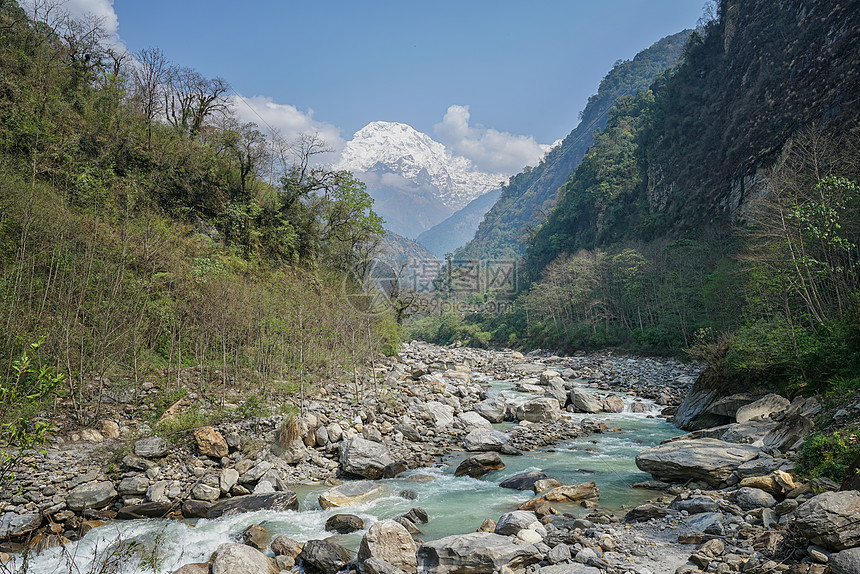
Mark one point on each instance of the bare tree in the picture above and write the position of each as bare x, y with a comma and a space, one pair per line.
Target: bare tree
191, 99
149, 76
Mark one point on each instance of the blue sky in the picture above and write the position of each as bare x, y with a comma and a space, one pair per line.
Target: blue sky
518, 72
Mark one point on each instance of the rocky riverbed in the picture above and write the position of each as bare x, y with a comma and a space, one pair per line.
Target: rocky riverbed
724, 498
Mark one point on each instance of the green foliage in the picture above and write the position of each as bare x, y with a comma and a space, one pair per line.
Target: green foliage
829, 454
23, 394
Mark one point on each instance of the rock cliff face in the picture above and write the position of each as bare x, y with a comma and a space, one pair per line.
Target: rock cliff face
762, 72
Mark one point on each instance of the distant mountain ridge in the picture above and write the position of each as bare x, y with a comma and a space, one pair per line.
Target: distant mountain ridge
531, 194
414, 179
459, 228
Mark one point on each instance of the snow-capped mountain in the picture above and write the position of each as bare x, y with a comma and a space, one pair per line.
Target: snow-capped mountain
414, 179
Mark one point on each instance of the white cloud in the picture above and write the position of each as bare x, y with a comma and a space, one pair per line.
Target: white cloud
78, 10
490, 150
289, 121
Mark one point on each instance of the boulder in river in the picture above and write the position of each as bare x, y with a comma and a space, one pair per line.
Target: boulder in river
349, 493
480, 464
493, 408
241, 559
253, 502
523, 480
324, 556
584, 402
364, 458
565, 493
831, 519
13, 525
539, 410
344, 523
708, 459
389, 541
475, 553
485, 439
512, 522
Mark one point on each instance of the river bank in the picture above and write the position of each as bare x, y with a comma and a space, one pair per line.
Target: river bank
432, 408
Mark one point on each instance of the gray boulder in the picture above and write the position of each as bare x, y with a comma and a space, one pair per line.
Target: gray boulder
344, 523
93, 495
252, 502
523, 480
707, 459
377, 566
556, 390
539, 410
485, 439
692, 413
479, 465
493, 408
475, 553
473, 419
569, 569
150, 447
790, 432
241, 559
845, 562
695, 504
133, 485
12, 525
749, 498
441, 415
513, 522
326, 557
364, 458
831, 519
763, 407
728, 406
613, 404
584, 402
389, 541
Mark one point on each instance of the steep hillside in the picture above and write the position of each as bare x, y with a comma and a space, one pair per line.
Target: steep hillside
459, 228
528, 196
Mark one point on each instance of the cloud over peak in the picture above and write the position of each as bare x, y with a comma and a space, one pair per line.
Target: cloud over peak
490, 150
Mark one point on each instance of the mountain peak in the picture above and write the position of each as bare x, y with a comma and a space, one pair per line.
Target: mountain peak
402, 150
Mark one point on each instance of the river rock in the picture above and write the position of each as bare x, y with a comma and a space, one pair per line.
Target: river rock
728, 406
279, 501
133, 485
831, 519
228, 478
12, 525
564, 494
145, 510
326, 557
195, 568
195, 509
344, 523
485, 439
493, 409
513, 522
763, 407
256, 472
539, 410
256, 536
692, 413
707, 459
845, 562
473, 419
285, 546
646, 512
210, 442
441, 415
479, 465
695, 504
377, 566
749, 498
523, 480
241, 559
475, 553
389, 541
584, 402
94, 495
408, 431
569, 569
364, 458
349, 493
205, 492
791, 431
613, 404
150, 447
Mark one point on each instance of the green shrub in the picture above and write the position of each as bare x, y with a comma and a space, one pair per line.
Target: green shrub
829, 454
